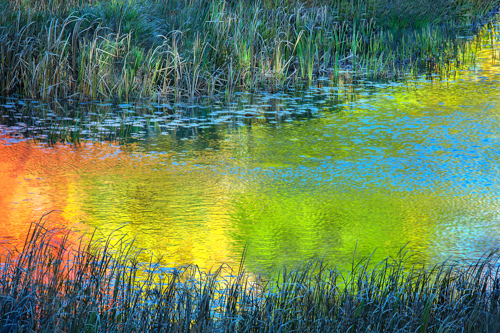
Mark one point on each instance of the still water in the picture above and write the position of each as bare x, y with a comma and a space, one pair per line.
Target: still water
315, 174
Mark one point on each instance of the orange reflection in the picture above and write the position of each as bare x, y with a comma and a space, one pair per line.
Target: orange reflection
109, 188
36, 180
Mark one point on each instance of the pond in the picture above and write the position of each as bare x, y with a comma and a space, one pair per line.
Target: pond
319, 173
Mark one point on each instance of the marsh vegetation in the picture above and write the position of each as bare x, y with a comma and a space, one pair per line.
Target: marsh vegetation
110, 49
54, 284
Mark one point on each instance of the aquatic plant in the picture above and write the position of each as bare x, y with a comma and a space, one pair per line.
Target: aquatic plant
109, 49
59, 284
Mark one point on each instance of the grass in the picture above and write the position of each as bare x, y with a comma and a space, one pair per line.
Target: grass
110, 49
57, 285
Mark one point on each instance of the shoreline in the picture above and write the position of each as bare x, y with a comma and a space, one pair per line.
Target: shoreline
105, 51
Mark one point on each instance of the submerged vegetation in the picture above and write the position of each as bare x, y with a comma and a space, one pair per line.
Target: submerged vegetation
113, 49
51, 287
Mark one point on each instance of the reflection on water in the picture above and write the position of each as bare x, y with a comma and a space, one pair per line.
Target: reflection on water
414, 163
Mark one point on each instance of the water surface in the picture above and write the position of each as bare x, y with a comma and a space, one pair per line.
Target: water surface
315, 174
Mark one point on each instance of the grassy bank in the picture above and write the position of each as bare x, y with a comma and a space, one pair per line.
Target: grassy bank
48, 288
108, 49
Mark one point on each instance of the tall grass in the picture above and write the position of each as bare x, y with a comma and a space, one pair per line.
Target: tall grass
54, 285
107, 49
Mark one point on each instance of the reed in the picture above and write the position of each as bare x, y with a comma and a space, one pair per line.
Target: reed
56, 284
110, 49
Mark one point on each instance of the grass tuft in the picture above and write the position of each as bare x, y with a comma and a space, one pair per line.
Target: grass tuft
54, 285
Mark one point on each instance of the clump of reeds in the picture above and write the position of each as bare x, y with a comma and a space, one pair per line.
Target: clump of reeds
138, 48
49, 287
